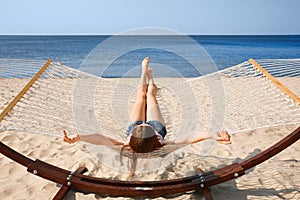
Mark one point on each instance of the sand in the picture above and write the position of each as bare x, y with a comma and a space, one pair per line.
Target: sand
277, 178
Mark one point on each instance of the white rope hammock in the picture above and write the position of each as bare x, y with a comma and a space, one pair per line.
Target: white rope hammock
236, 99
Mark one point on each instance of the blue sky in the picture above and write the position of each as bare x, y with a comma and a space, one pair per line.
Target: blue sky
115, 16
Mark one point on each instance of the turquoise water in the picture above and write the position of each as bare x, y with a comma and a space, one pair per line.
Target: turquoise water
172, 52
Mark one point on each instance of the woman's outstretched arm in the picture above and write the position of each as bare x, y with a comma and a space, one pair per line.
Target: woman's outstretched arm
222, 137
96, 139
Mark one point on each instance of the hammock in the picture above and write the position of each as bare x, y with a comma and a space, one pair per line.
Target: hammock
60, 98
66, 99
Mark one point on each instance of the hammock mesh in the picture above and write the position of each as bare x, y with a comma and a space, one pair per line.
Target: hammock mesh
236, 99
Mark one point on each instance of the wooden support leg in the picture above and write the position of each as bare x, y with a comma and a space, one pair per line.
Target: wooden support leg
205, 190
65, 189
207, 195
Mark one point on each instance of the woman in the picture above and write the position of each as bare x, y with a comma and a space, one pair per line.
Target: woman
147, 129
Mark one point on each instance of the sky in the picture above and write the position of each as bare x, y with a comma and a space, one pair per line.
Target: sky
109, 17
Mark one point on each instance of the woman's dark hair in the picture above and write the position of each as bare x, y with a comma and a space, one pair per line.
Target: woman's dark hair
143, 139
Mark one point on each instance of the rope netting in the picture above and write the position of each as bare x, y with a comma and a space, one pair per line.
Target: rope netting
48, 107
236, 99
252, 100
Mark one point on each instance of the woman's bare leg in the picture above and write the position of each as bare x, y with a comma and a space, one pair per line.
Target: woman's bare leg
153, 111
138, 112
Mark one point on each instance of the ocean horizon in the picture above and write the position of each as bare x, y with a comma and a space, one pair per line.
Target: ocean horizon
177, 55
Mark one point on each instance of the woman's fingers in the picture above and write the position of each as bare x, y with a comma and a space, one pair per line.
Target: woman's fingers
65, 133
224, 137
66, 138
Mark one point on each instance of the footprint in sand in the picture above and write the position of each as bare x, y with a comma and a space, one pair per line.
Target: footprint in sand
223, 153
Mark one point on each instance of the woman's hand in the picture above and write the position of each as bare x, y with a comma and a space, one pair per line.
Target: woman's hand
223, 137
71, 140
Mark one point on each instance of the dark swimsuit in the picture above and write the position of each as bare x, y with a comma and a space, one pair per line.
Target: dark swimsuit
155, 124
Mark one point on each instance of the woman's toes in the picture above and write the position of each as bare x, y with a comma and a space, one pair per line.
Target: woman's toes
146, 61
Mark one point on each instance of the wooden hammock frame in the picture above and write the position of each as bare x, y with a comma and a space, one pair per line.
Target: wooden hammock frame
76, 180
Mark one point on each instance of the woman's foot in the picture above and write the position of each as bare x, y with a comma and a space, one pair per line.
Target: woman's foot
152, 88
150, 75
143, 80
145, 64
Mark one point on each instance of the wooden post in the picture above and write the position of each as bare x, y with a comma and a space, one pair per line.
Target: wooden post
275, 81
65, 189
24, 90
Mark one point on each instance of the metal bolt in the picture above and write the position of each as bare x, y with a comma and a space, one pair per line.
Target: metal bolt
236, 174
69, 177
202, 185
69, 183
35, 172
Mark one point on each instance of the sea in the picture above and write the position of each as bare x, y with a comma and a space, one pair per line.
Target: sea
179, 55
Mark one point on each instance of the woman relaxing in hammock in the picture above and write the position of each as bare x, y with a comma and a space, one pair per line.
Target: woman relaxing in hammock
147, 129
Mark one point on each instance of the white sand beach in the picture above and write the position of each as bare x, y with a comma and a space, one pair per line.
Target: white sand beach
277, 178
